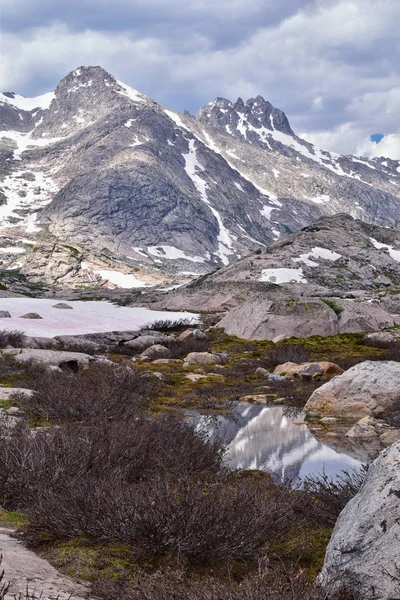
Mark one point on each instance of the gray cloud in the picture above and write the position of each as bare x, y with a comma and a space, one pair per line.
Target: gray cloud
332, 65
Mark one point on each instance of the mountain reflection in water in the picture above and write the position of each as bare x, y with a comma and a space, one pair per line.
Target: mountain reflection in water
265, 438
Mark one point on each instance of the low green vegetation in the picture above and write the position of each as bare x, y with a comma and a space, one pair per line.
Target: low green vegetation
335, 307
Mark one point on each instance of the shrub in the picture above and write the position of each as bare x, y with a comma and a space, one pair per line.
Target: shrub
329, 496
11, 337
180, 349
284, 353
270, 583
104, 392
101, 451
169, 325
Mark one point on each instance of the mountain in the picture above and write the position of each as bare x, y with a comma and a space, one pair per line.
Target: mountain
338, 275
135, 188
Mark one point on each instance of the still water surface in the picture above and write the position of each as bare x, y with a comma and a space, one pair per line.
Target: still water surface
265, 438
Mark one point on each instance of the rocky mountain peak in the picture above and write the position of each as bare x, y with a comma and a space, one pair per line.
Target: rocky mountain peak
252, 120
82, 98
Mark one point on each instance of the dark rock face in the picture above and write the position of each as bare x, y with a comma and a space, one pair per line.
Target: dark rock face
99, 164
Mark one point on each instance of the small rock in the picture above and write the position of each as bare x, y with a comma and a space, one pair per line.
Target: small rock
280, 401
4, 314
202, 358
5, 393
316, 371
195, 376
167, 361
13, 411
257, 398
380, 337
62, 305
389, 437
261, 372
31, 315
365, 428
191, 333
143, 342
160, 376
328, 420
155, 352
273, 377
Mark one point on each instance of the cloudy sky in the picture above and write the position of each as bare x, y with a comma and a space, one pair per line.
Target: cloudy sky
331, 65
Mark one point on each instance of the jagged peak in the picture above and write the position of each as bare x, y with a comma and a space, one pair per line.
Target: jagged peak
256, 111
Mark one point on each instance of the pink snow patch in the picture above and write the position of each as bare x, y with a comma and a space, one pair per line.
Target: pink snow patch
86, 317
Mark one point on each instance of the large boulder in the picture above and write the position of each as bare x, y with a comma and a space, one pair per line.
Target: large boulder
367, 389
51, 358
316, 371
364, 549
357, 317
4, 314
31, 315
261, 319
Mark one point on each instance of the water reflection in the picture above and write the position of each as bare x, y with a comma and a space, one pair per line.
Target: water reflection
265, 438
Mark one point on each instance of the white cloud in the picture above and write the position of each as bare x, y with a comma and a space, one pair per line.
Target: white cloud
389, 147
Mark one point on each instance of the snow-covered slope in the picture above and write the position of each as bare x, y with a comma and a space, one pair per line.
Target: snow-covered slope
98, 164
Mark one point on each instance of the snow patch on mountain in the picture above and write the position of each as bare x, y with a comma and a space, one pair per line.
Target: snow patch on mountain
316, 253
282, 275
25, 197
225, 243
24, 141
122, 280
20, 102
395, 254
172, 253
130, 92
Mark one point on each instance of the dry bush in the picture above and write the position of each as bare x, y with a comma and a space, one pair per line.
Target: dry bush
127, 452
180, 349
102, 392
169, 325
153, 485
267, 584
328, 496
283, 354
191, 519
11, 337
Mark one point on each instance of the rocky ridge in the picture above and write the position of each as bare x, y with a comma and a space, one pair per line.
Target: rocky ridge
99, 165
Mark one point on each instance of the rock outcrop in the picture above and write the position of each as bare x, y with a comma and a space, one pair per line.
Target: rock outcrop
49, 358
25, 572
364, 550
